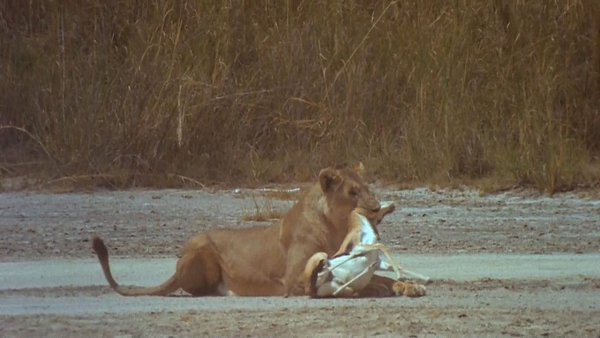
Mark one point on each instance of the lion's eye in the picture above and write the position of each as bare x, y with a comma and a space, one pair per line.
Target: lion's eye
353, 192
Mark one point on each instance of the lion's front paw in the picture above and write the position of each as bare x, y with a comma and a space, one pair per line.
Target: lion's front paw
408, 289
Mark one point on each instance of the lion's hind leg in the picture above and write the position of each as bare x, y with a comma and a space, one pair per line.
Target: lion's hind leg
198, 269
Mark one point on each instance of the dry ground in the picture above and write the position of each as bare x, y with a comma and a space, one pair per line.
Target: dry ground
40, 226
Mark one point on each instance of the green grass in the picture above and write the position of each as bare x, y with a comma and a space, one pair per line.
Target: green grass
272, 91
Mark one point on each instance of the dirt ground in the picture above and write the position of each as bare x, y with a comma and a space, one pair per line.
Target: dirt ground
37, 226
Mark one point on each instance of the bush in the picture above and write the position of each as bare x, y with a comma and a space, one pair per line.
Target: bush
259, 91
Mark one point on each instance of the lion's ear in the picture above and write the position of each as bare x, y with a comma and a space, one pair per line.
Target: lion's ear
359, 169
329, 179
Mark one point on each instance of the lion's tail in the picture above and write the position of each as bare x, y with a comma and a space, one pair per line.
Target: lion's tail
164, 289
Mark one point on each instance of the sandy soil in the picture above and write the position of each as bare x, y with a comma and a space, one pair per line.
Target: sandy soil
41, 226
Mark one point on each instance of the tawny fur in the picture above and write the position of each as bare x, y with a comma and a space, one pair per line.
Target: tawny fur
264, 261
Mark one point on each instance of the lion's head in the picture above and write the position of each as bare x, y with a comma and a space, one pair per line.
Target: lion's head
346, 190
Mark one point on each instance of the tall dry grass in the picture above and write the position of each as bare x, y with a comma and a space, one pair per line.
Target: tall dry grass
256, 91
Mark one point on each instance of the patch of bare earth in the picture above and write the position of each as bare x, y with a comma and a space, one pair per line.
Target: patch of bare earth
142, 223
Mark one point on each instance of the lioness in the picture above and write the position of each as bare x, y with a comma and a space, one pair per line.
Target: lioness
264, 261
